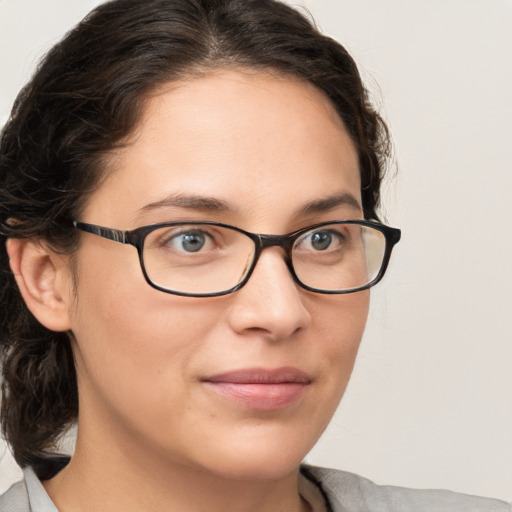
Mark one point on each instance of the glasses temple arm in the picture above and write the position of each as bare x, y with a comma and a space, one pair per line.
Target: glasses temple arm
115, 235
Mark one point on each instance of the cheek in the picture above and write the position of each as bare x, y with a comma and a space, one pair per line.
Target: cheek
340, 321
134, 343
124, 308
340, 326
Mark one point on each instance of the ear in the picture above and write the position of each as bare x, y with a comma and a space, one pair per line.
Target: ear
44, 280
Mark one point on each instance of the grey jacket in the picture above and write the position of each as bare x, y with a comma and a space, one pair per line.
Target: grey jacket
344, 492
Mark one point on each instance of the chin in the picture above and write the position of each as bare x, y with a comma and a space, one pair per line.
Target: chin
265, 457
277, 467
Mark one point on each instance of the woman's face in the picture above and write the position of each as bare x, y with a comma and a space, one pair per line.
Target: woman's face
244, 384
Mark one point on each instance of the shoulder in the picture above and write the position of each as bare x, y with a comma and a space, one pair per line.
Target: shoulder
29, 495
15, 499
347, 492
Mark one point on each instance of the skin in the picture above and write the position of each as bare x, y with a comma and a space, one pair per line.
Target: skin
150, 432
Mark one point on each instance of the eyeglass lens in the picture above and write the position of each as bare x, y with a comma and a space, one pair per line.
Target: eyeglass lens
202, 258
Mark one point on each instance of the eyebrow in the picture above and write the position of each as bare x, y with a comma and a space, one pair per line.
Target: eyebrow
213, 204
191, 202
329, 203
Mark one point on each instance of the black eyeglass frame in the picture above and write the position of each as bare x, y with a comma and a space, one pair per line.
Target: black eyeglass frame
136, 237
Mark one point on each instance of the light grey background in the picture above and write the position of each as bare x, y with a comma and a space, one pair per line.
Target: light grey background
430, 403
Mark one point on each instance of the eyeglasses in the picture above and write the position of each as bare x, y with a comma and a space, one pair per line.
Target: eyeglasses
208, 259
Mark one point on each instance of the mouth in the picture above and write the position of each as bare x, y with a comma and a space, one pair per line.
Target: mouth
259, 388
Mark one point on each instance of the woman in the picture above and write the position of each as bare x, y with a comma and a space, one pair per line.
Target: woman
234, 147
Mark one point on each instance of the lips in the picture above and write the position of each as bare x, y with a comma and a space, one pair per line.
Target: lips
261, 389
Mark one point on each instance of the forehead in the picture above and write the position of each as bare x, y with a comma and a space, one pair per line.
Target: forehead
255, 141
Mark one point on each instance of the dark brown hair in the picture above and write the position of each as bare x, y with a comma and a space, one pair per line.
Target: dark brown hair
84, 99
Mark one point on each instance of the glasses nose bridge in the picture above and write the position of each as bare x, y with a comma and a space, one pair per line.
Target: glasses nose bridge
265, 241
284, 241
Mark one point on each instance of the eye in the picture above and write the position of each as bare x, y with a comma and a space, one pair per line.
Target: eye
191, 241
321, 240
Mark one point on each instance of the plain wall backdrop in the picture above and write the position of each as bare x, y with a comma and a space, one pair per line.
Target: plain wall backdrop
430, 402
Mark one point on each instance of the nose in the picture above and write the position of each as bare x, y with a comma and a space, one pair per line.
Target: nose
270, 303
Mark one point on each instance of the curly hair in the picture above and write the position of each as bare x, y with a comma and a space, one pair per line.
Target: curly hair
84, 99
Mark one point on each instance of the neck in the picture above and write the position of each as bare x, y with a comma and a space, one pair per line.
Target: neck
122, 477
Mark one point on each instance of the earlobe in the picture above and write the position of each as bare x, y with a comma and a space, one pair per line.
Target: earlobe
43, 279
